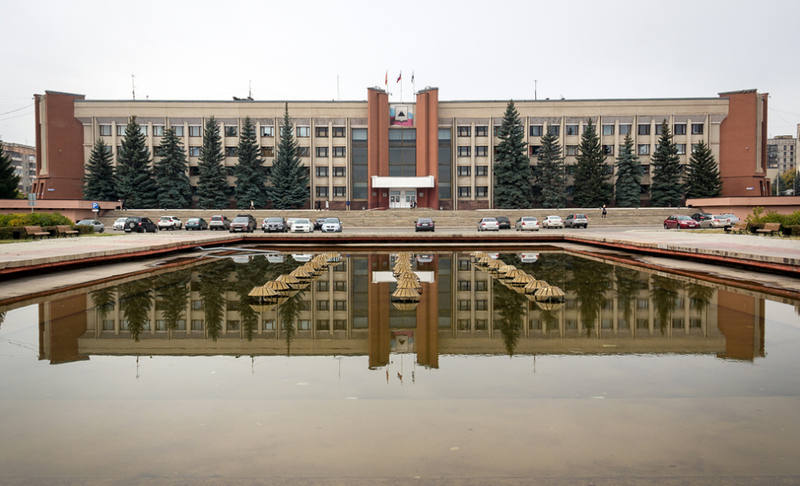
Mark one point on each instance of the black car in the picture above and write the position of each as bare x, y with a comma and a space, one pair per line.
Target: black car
503, 222
274, 225
140, 225
245, 223
318, 223
424, 224
197, 224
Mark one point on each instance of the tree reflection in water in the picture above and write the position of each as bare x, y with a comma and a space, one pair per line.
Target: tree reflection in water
136, 300
103, 301
664, 292
172, 293
511, 308
213, 283
249, 276
590, 281
628, 286
289, 311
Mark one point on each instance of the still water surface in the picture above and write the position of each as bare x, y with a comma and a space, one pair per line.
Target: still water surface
636, 374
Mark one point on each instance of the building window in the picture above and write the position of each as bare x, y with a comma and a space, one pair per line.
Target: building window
481, 170
322, 151
572, 150
679, 129
645, 169
464, 305
554, 129
339, 151
608, 169
340, 305
321, 171
697, 128
120, 130
194, 151
571, 130
230, 151
267, 131
268, 151
232, 326
339, 171
681, 148
464, 285
194, 131
304, 325
197, 324
304, 151
338, 132
178, 130
496, 131
322, 132
482, 131
481, 305
322, 191
158, 130
303, 132
482, 151
340, 286
608, 129
194, 170
231, 131
644, 149
481, 285
463, 325
339, 191
323, 324
644, 129
535, 130
534, 149
322, 285
624, 129
463, 171
323, 305
464, 131
481, 324
608, 149
464, 265
340, 324
464, 191
464, 151
481, 191
105, 130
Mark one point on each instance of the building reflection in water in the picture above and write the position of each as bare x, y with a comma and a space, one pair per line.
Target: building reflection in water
462, 310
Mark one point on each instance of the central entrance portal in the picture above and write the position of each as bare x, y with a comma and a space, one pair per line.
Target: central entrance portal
402, 198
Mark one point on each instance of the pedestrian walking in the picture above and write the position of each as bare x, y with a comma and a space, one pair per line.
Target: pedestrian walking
252, 206
604, 210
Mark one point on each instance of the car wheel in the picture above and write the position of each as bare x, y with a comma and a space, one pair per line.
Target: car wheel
665, 226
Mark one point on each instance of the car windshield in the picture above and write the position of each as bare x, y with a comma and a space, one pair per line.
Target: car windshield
193, 220
301, 221
275, 220
683, 218
331, 220
165, 218
489, 220
85, 222
119, 220
240, 220
425, 220
580, 216
216, 218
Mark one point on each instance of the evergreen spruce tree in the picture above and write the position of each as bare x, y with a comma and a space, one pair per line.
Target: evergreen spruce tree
288, 181
9, 181
592, 189
512, 171
174, 189
135, 183
551, 179
99, 181
629, 176
702, 174
250, 171
212, 187
666, 189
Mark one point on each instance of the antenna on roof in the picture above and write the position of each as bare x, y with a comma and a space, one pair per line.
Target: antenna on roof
250, 91
133, 86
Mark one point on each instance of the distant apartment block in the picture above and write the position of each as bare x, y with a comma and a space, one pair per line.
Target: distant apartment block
23, 157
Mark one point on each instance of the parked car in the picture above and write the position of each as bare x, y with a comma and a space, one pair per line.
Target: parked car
576, 221
680, 222
97, 225
331, 225
119, 224
424, 224
700, 217
274, 225
302, 225
503, 222
137, 224
527, 223
169, 223
198, 224
488, 224
552, 222
219, 222
290, 222
732, 218
715, 221
244, 223
318, 223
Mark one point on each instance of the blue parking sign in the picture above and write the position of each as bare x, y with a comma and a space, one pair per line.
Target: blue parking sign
95, 206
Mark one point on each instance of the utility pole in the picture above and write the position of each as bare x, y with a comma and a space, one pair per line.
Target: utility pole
133, 86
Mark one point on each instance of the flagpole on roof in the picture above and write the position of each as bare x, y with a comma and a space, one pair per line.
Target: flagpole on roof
413, 85
400, 80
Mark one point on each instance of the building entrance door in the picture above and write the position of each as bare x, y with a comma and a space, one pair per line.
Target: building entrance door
394, 200
411, 197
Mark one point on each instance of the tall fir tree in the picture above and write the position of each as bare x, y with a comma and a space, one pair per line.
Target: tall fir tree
135, 183
512, 170
592, 188
666, 189
212, 186
9, 181
250, 172
288, 180
99, 180
551, 180
174, 188
629, 176
702, 174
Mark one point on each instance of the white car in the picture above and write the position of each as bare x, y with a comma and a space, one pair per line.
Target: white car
715, 221
488, 224
302, 226
119, 224
527, 223
169, 223
552, 222
732, 218
290, 222
331, 225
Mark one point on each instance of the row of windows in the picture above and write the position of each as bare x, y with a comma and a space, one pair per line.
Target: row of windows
480, 151
194, 151
641, 149
466, 191
625, 129
338, 286
480, 170
337, 171
466, 285
338, 191
230, 131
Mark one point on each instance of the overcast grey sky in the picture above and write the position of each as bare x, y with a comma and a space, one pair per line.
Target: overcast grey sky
470, 50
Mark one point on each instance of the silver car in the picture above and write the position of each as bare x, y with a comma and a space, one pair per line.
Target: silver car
527, 223
119, 224
302, 226
488, 224
576, 221
331, 225
97, 225
715, 221
552, 222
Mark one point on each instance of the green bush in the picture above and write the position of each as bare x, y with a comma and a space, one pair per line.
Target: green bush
34, 219
752, 227
85, 229
6, 233
786, 220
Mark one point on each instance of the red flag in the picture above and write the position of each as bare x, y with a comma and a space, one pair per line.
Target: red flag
399, 77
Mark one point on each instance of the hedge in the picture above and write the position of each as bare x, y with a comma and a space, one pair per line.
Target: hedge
34, 219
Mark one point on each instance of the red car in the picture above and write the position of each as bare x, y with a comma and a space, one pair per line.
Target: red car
680, 222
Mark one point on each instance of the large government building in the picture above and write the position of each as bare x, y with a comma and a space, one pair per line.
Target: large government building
436, 154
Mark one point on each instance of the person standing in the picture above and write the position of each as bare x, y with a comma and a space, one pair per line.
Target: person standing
604, 210
252, 207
